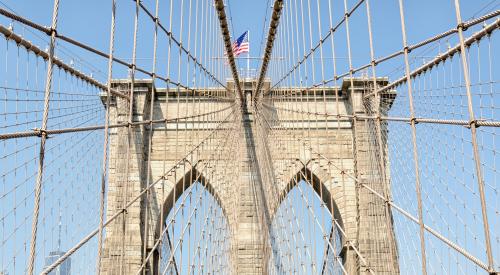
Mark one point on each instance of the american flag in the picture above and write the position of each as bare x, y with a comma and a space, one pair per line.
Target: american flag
241, 45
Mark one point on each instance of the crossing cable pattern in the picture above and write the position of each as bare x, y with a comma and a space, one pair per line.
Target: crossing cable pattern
311, 101
184, 105
343, 162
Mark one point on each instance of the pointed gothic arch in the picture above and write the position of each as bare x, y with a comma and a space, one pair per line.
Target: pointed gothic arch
317, 179
191, 177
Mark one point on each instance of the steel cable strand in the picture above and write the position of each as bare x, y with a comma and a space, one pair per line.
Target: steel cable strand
43, 138
130, 203
222, 144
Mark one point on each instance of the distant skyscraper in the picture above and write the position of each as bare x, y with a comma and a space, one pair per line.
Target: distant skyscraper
65, 267
62, 269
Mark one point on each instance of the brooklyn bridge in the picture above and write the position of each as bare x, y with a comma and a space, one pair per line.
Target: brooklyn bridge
249, 137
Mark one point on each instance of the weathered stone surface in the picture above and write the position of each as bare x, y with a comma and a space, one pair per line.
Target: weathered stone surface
347, 144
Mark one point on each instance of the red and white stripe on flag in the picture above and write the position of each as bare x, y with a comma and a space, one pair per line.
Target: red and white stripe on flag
243, 48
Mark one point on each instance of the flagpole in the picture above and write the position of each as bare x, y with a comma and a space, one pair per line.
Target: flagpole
248, 54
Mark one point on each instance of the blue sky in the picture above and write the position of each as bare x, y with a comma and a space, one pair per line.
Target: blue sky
89, 21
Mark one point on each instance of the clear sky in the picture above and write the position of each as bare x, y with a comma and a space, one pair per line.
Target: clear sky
89, 21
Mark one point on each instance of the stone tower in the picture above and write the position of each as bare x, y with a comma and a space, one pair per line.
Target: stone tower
365, 218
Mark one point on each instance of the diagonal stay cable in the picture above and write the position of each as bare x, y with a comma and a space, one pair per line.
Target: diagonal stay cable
37, 132
177, 42
448, 242
384, 58
79, 44
83, 241
10, 35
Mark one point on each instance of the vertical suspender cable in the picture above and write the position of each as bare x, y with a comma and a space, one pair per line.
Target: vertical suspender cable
473, 128
106, 136
43, 139
380, 142
414, 140
129, 136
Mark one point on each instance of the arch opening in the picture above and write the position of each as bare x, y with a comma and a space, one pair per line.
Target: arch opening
195, 229
306, 235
